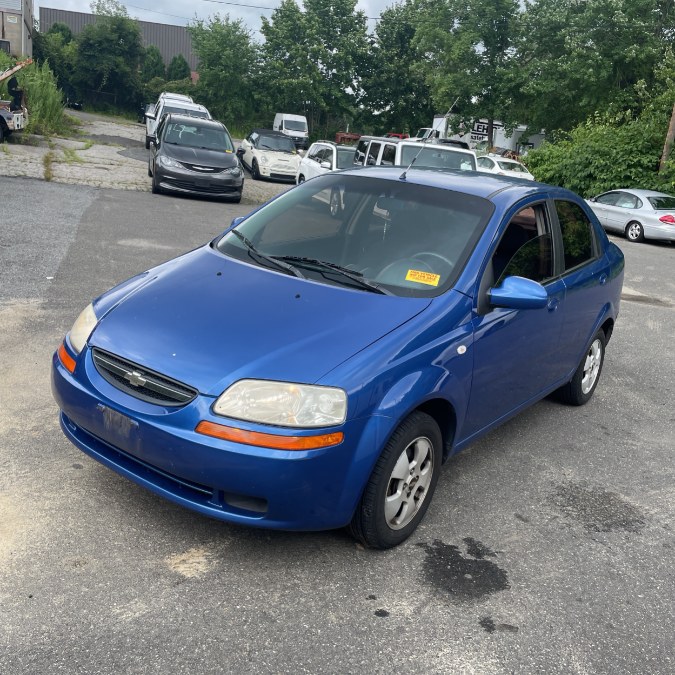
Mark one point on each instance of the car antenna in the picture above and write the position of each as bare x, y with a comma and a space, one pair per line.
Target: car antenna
403, 175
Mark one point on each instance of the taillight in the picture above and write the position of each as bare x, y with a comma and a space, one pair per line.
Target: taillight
668, 219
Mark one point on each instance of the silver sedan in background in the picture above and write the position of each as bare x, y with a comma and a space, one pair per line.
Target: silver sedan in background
638, 214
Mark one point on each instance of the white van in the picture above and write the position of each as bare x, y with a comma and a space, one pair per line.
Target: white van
376, 151
294, 126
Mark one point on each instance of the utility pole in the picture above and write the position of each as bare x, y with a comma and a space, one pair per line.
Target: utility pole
669, 142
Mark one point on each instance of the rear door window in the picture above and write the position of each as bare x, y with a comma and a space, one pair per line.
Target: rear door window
373, 152
578, 235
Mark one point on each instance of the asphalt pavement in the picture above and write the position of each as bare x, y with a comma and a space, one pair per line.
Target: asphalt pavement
548, 546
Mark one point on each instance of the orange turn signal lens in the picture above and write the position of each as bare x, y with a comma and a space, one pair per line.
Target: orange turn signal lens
66, 359
268, 440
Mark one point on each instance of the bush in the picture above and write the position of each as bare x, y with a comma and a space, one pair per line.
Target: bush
608, 153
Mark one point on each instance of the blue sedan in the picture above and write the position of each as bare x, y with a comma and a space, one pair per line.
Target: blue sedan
313, 367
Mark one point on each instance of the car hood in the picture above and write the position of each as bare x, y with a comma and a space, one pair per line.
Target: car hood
183, 153
208, 321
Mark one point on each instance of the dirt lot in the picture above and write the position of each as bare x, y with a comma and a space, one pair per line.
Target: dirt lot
105, 154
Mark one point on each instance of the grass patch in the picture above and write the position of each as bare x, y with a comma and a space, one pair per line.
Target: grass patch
47, 161
5, 149
87, 144
71, 156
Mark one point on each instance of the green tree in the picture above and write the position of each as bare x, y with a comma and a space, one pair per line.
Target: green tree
313, 60
227, 60
179, 68
58, 28
395, 86
153, 64
107, 63
468, 56
289, 79
576, 58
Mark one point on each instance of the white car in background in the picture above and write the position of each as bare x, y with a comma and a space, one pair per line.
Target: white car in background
503, 166
269, 154
638, 214
322, 157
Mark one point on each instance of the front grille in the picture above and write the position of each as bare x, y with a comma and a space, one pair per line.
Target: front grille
202, 169
140, 382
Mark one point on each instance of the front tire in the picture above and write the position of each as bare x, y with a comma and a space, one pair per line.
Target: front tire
635, 231
147, 143
255, 171
581, 387
155, 185
301, 179
401, 485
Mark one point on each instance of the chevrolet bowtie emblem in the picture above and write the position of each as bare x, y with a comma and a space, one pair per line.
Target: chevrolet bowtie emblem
135, 379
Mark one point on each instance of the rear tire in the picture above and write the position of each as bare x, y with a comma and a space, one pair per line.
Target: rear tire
635, 231
400, 488
581, 387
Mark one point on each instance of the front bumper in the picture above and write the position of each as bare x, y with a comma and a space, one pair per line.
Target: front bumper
203, 184
158, 448
276, 171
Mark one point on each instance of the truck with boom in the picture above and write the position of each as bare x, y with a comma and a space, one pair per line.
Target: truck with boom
13, 113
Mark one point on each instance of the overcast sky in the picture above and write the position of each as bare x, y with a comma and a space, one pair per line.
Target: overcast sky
181, 12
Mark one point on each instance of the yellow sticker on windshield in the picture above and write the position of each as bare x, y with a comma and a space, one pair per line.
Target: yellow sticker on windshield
423, 277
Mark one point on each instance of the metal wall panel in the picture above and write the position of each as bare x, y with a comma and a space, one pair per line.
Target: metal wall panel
170, 40
12, 5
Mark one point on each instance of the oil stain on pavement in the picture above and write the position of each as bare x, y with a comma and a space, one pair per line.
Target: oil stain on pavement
465, 579
596, 509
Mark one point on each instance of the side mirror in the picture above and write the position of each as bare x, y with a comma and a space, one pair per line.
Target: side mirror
240, 152
150, 115
326, 165
153, 140
519, 293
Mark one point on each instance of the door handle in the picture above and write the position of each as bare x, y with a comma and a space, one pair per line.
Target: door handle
603, 279
552, 304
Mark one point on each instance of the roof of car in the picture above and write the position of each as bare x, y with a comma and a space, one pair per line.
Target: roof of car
189, 119
447, 147
479, 184
642, 193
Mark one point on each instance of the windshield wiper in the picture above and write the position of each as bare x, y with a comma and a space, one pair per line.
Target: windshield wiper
353, 275
254, 252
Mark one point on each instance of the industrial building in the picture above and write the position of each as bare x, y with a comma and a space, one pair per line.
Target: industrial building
16, 27
170, 40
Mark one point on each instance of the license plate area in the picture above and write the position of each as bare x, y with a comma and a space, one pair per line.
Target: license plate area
117, 424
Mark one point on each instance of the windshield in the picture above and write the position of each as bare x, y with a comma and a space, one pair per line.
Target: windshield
383, 236
345, 157
197, 136
295, 125
436, 158
278, 143
664, 203
184, 111
511, 166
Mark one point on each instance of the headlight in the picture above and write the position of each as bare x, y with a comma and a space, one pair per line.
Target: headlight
82, 328
235, 171
167, 161
263, 159
283, 404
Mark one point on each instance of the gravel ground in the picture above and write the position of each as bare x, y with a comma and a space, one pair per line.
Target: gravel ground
106, 154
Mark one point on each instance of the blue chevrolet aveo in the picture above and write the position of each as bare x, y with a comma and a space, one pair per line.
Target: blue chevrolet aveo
315, 365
